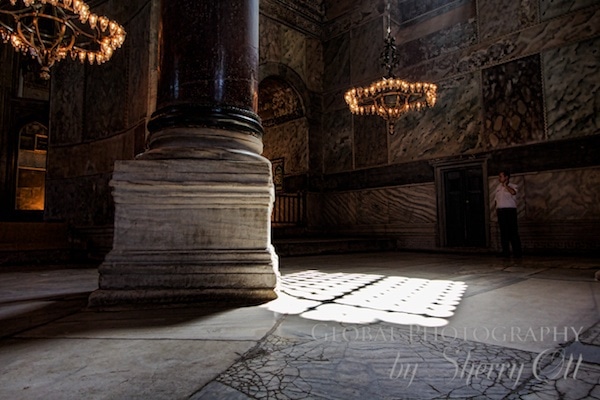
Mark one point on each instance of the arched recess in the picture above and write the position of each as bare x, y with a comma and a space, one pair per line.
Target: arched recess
283, 104
284, 107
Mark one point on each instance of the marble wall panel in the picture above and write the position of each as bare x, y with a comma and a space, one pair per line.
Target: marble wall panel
551, 196
441, 42
269, 44
381, 209
451, 127
334, 100
554, 8
366, 45
294, 54
516, 15
306, 17
314, 65
340, 209
563, 195
370, 141
106, 100
412, 10
290, 142
373, 208
513, 103
337, 152
336, 56
578, 26
80, 201
66, 107
90, 158
572, 89
411, 204
357, 14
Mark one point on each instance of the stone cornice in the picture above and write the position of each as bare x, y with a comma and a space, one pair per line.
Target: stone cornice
306, 15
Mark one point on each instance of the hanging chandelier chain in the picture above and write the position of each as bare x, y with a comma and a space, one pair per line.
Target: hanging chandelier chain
389, 97
388, 57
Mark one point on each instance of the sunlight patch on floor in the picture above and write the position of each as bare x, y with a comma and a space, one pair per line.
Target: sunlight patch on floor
367, 298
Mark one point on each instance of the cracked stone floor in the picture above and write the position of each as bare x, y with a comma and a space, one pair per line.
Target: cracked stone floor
390, 325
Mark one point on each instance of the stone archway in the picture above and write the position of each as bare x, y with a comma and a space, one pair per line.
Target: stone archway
282, 109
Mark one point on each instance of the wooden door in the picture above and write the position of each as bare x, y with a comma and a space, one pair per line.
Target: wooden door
464, 207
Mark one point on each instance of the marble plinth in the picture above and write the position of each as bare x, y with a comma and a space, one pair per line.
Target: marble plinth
189, 230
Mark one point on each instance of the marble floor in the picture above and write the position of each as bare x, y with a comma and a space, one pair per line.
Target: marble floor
390, 325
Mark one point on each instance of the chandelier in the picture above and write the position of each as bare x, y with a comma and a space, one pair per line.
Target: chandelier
390, 97
49, 30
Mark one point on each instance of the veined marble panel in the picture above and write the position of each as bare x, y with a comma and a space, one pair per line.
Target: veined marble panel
444, 41
334, 100
451, 127
314, 64
366, 45
338, 143
554, 8
411, 10
269, 43
578, 26
370, 141
305, 17
90, 158
411, 204
339, 209
105, 109
351, 15
563, 195
373, 207
67, 103
337, 62
83, 200
281, 44
290, 142
572, 89
516, 15
414, 204
513, 103
294, 44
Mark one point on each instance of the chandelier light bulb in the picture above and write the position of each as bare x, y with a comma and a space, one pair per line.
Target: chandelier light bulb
80, 33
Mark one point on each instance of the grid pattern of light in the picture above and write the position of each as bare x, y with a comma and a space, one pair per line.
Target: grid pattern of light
367, 298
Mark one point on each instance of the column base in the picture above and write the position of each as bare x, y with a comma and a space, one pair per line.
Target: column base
189, 231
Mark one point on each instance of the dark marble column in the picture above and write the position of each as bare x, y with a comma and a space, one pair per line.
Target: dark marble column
192, 213
208, 77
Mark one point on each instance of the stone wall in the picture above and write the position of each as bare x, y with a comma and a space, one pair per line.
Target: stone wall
558, 210
291, 67
99, 115
518, 82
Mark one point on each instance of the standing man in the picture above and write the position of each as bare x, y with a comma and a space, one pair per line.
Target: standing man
506, 207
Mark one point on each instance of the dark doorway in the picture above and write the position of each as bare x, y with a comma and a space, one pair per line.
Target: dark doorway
464, 205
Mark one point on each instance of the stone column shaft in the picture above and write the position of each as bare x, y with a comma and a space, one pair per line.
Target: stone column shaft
192, 213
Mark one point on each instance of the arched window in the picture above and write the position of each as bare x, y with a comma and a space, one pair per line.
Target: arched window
31, 167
